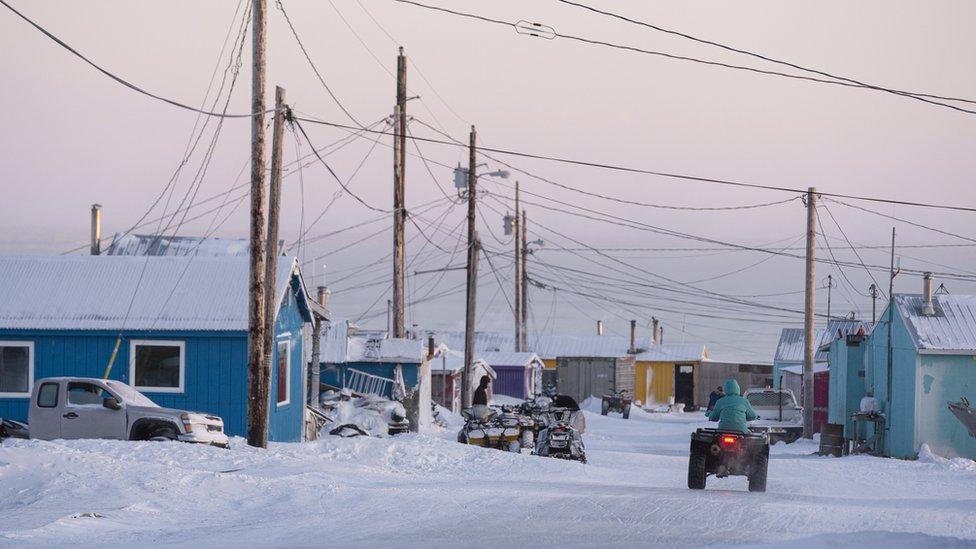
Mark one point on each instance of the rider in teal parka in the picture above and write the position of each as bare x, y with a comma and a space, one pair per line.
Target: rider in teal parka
732, 411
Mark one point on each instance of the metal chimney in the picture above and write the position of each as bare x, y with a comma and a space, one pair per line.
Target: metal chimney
633, 337
430, 346
96, 229
929, 309
599, 327
323, 295
655, 336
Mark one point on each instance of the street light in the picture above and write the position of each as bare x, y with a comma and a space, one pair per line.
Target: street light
461, 176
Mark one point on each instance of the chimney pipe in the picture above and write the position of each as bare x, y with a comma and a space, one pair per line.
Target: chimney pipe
96, 229
430, 346
929, 309
655, 335
633, 337
599, 327
661, 339
323, 295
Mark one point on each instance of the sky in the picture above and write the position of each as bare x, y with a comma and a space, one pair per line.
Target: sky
73, 137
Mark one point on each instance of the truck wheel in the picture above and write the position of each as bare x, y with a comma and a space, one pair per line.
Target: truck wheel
696, 470
757, 480
627, 411
163, 434
604, 408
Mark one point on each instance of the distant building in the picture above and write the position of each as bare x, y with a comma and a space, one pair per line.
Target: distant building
447, 369
155, 245
182, 326
519, 375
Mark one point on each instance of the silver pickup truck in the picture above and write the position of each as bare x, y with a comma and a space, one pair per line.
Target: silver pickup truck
79, 407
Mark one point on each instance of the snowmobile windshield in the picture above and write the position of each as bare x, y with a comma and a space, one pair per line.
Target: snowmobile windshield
565, 401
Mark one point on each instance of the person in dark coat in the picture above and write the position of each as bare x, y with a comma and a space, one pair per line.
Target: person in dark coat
714, 396
481, 393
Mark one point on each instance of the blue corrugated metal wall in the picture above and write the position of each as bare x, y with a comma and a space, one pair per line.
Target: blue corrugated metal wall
510, 381
285, 422
846, 383
900, 406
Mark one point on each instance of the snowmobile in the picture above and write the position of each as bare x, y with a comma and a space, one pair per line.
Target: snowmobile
13, 429
723, 453
560, 438
617, 402
482, 428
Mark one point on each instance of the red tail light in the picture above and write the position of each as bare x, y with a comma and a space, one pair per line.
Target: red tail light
728, 440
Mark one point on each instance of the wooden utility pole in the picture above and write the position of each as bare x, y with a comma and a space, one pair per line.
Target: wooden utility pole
524, 333
472, 272
257, 386
399, 211
518, 273
271, 256
892, 273
809, 302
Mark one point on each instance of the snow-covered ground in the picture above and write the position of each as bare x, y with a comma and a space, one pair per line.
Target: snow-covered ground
427, 490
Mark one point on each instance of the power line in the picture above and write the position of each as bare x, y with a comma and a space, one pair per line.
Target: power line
628, 169
122, 81
856, 83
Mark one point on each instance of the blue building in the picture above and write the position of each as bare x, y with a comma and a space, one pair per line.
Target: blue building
180, 324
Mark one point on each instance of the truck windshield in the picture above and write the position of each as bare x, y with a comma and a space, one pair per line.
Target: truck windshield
130, 395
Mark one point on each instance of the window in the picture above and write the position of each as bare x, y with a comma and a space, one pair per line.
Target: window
81, 393
157, 366
16, 368
282, 372
47, 396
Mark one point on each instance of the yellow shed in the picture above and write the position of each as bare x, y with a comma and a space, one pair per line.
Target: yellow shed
666, 371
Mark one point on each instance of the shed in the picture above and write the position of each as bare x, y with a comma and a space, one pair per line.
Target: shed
933, 362
519, 374
750, 375
583, 377
668, 370
181, 324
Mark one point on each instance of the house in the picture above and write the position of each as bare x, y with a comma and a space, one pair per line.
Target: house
179, 323
519, 375
931, 361
446, 370
789, 352
666, 371
750, 375
369, 362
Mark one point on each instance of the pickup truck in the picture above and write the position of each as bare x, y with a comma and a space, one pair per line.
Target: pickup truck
79, 407
779, 414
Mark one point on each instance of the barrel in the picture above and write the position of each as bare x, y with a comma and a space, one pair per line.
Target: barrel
832, 441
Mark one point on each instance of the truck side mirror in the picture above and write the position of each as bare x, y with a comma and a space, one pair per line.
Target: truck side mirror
111, 403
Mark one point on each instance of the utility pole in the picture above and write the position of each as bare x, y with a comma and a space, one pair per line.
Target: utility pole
472, 271
892, 273
257, 384
524, 327
874, 301
399, 211
808, 351
271, 256
830, 286
518, 273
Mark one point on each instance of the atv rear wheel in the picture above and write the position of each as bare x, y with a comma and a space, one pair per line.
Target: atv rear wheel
696, 470
757, 480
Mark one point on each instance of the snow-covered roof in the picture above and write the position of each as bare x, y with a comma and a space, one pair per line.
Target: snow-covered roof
144, 244
951, 329
340, 344
510, 358
790, 347
548, 346
95, 292
453, 361
674, 352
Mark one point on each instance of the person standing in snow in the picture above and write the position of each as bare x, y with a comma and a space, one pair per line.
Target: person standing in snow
713, 397
481, 393
732, 411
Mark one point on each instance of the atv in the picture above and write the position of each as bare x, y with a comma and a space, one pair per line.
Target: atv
618, 402
723, 453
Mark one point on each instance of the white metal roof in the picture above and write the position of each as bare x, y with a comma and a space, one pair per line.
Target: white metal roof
511, 358
951, 329
95, 292
548, 346
674, 352
143, 245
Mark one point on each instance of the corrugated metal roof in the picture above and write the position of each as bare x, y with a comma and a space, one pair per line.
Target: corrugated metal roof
548, 346
94, 292
951, 328
144, 244
790, 346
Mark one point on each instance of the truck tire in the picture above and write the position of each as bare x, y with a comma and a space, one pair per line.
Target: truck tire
163, 434
696, 470
757, 480
604, 408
